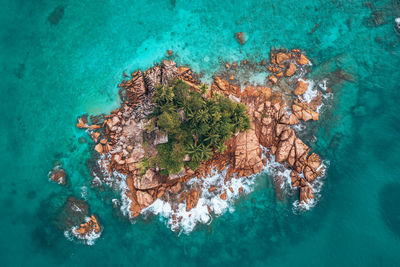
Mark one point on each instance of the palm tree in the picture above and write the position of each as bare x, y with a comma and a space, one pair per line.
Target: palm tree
213, 138
220, 147
164, 94
202, 115
203, 88
205, 152
194, 151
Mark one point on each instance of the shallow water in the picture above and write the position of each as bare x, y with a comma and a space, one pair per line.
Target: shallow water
61, 59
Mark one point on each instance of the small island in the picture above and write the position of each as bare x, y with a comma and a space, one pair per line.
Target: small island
175, 140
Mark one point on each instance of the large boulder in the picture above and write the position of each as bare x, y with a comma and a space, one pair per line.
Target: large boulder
301, 88
192, 198
144, 199
306, 194
302, 60
285, 145
247, 159
152, 77
147, 181
304, 112
169, 71
281, 57
291, 69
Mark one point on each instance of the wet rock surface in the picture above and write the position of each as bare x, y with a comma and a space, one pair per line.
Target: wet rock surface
72, 213
58, 175
125, 139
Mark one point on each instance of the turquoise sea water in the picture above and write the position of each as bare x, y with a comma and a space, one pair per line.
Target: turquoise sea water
60, 59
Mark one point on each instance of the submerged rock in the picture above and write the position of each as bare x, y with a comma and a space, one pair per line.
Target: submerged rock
72, 213
56, 15
58, 175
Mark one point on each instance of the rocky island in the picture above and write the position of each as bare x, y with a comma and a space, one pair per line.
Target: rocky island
175, 140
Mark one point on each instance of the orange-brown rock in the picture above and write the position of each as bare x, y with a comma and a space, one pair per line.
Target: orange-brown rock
309, 174
176, 188
82, 123
247, 158
192, 198
241, 37
144, 199
314, 161
123, 135
223, 196
94, 127
293, 119
95, 136
212, 189
301, 88
291, 69
183, 69
99, 148
273, 79
295, 178
302, 60
58, 175
285, 145
281, 57
301, 148
92, 225
306, 194
303, 112
147, 181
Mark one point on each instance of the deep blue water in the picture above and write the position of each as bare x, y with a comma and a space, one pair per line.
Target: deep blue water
60, 59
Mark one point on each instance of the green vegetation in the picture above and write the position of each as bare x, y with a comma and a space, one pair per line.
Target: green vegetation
143, 165
196, 125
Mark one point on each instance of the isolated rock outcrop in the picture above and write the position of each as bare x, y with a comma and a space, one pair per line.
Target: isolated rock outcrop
127, 138
58, 175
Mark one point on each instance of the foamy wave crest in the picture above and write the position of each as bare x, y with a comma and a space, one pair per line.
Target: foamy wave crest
311, 91
279, 172
115, 180
209, 202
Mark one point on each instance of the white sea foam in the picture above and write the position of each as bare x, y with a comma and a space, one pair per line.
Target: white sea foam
209, 202
186, 221
323, 84
84, 192
311, 92
277, 169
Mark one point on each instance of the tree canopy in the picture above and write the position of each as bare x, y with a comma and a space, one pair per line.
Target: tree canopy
195, 125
